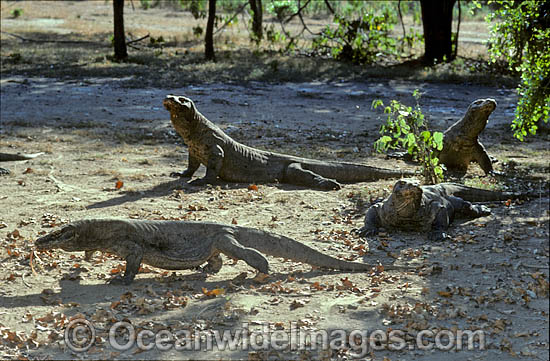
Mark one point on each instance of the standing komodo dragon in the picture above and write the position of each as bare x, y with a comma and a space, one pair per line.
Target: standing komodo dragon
460, 142
428, 208
235, 162
177, 245
6, 157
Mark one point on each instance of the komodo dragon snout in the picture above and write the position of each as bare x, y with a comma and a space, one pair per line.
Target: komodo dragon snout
177, 102
65, 238
407, 189
484, 108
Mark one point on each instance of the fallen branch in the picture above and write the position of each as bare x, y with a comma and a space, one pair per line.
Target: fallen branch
139, 39
52, 41
70, 41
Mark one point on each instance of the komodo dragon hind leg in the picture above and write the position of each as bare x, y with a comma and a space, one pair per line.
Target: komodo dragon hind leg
214, 265
295, 174
229, 246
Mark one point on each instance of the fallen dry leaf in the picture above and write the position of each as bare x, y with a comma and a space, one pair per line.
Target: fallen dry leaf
213, 293
297, 304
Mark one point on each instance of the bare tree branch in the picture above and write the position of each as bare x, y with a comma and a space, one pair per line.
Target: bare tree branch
401, 18
239, 10
297, 12
329, 7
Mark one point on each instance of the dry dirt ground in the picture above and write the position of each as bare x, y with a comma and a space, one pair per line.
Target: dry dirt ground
109, 148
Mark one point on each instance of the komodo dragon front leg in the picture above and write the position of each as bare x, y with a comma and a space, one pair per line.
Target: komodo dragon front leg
192, 165
482, 158
445, 215
213, 167
372, 222
133, 255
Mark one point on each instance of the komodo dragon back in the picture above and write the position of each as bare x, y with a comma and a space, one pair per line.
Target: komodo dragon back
231, 161
179, 245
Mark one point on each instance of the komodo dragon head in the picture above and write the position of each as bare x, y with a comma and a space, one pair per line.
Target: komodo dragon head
406, 197
66, 238
180, 107
477, 116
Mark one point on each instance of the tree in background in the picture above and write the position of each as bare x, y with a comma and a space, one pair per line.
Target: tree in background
209, 38
257, 19
522, 38
119, 38
437, 20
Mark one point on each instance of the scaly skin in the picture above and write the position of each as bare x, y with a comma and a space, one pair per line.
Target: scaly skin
428, 208
232, 161
7, 157
178, 245
460, 142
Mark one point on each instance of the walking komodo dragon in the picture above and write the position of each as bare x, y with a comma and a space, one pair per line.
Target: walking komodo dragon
428, 208
235, 162
177, 245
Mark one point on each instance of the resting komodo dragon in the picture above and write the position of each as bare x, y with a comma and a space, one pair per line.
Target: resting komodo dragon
428, 208
177, 245
7, 157
235, 162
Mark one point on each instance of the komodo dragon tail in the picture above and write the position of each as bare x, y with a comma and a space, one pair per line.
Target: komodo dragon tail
479, 195
6, 157
280, 246
352, 172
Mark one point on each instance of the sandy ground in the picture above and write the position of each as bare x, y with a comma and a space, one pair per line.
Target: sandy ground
94, 132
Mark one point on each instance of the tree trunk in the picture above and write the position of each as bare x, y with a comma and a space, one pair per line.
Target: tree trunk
119, 37
437, 21
209, 38
257, 19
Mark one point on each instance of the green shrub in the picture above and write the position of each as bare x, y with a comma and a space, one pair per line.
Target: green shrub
405, 128
522, 38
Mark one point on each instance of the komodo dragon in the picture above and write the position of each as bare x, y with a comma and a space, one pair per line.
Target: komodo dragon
177, 245
460, 142
235, 162
428, 208
6, 157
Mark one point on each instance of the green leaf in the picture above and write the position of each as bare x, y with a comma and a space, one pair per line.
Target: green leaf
438, 140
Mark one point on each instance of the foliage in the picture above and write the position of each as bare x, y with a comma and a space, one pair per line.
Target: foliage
405, 128
522, 38
282, 8
365, 39
361, 40
15, 13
